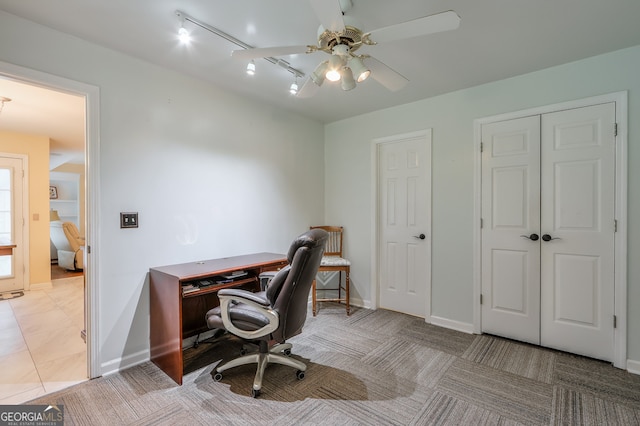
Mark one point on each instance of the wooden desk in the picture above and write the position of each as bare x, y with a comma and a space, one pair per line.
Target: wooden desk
174, 316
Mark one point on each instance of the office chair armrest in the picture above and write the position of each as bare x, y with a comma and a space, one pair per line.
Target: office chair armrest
228, 297
244, 296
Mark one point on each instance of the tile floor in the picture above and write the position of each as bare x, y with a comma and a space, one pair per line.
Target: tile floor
41, 350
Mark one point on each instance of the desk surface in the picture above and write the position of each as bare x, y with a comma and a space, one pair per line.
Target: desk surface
192, 270
174, 316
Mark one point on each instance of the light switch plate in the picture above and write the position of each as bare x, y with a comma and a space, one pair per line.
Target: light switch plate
129, 220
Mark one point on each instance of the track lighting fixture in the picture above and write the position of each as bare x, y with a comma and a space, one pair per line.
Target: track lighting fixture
183, 34
251, 68
293, 89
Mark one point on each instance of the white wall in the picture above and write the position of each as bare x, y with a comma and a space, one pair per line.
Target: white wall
348, 172
210, 174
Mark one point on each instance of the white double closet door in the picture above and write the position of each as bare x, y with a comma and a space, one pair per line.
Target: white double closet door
548, 187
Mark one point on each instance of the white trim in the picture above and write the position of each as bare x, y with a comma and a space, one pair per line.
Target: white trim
92, 163
633, 366
122, 363
427, 134
464, 327
620, 286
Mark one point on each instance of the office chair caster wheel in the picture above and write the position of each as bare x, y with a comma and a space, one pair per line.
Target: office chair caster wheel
287, 352
300, 374
255, 393
217, 377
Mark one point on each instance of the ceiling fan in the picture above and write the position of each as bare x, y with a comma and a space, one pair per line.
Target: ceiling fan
340, 37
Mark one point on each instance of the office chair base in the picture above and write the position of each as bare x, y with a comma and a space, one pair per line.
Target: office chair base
263, 358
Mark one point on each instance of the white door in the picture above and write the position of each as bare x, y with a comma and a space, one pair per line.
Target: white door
511, 223
578, 183
548, 240
11, 223
404, 212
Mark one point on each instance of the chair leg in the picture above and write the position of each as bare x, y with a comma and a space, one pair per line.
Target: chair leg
347, 291
263, 358
313, 297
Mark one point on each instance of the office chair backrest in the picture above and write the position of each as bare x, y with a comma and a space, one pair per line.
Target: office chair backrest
292, 292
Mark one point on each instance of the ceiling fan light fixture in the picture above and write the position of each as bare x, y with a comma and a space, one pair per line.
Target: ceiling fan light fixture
359, 69
251, 68
335, 65
348, 82
318, 75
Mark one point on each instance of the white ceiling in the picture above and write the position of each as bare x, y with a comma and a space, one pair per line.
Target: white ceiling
496, 39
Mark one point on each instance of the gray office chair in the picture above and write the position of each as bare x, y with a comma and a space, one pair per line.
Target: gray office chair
274, 315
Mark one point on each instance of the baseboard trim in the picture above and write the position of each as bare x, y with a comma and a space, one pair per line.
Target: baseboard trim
633, 367
451, 324
41, 286
124, 362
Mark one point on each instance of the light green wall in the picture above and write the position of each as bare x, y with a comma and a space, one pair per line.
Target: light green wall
348, 172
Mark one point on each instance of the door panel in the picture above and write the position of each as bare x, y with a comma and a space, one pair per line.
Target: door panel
577, 268
11, 222
558, 183
404, 214
510, 211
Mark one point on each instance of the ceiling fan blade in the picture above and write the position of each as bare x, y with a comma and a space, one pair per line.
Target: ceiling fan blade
329, 14
309, 89
439, 22
267, 52
384, 75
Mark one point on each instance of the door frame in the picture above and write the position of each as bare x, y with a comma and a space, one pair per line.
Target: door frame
620, 247
92, 198
427, 134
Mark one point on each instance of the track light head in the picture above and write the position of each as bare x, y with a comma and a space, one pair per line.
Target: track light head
251, 68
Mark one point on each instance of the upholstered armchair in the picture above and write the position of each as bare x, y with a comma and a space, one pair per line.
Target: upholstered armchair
69, 245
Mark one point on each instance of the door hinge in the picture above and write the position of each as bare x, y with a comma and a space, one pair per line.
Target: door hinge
615, 225
481, 299
481, 146
615, 129
481, 223
615, 321
88, 249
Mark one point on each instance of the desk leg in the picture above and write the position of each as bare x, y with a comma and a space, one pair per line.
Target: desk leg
313, 297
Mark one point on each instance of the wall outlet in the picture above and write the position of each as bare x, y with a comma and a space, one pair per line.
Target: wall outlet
129, 220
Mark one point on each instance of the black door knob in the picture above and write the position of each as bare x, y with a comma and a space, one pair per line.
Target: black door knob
421, 236
546, 237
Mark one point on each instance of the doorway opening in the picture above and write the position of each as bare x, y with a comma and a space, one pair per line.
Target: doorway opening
86, 207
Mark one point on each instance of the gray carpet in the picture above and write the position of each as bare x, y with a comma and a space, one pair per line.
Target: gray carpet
372, 368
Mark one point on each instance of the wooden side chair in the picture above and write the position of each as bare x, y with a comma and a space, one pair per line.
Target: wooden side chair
332, 261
